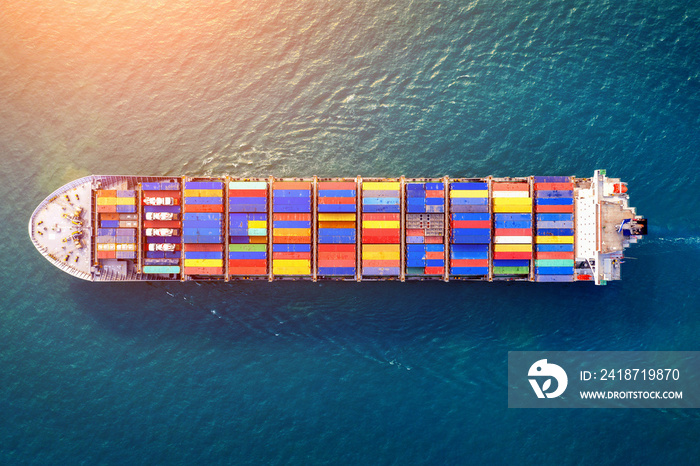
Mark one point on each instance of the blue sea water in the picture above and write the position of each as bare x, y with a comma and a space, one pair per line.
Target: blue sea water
340, 373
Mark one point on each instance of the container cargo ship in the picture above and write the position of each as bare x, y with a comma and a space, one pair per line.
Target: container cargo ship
150, 228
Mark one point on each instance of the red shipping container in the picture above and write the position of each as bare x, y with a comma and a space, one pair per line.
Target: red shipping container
336, 200
248, 271
291, 185
291, 239
510, 187
202, 247
336, 248
336, 255
295, 217
243, 263
469, 263
413, 232
555, 209
471, 224
108, 216
247, 192
161, 224
381, 263
106, 208
554, 186
432, 194
336, 263
513, 232
337, 185
208, 208
291, 255
203, 271
434, 270
380, 239
372, 216
555, 255
434, 240
173, 194
510, 255
434, 255
106, 254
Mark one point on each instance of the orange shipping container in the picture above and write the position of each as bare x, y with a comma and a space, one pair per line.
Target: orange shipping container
510, 187
380, 263
291, 239
306, 217
336, 263
207, 208
106, 193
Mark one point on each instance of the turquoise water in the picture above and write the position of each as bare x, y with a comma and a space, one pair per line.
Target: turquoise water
374, 373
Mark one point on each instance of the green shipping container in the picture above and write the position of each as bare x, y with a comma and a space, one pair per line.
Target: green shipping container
161, 269
257, 232
247, 247
415, 270
511, 270
554, 263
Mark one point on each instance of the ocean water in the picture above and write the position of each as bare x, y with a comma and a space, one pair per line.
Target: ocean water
340, 373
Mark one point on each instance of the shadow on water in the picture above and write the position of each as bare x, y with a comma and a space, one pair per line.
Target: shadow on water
512, 315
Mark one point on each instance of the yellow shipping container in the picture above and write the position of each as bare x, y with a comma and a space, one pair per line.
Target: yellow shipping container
337, 217
203, 193
291, 270
257, 239
381, 224
512, 247
382, 247
291, 263
469, 193
204, 263
106, 247
126, 201
519, 201
292, 231
257, 224
380, 255
107, 200
512, 209
554, 239
380, 185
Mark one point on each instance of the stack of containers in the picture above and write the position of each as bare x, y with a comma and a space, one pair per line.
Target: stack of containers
381, 228
554, 207
162, 262
202, 228
116, 234
291, 228
337, 207
116, 201
512, 207
425, 229
247, 251
470, 228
